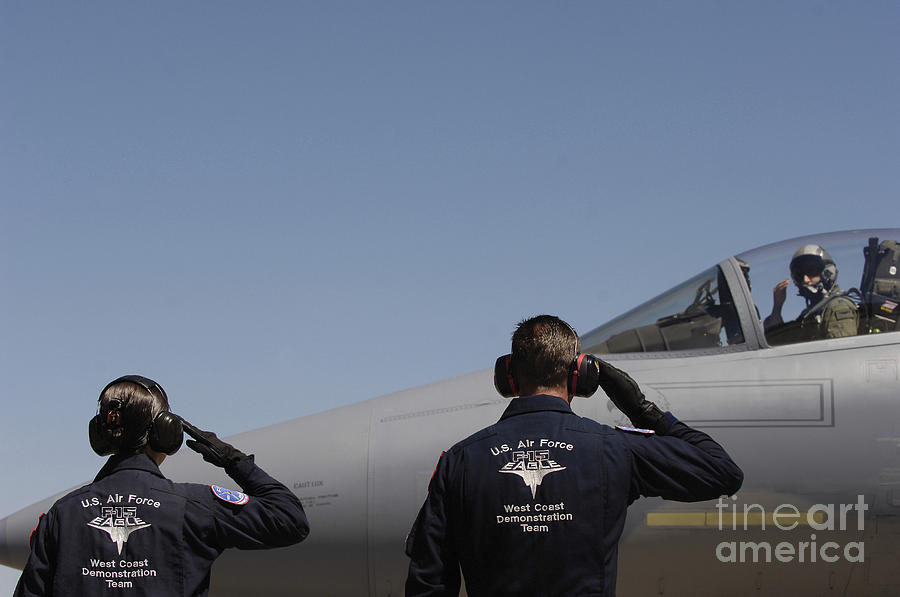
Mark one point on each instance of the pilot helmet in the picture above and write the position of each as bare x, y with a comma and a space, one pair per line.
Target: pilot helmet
813, 260
745, 269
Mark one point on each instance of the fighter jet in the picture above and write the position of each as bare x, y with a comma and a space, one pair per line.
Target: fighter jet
813, 421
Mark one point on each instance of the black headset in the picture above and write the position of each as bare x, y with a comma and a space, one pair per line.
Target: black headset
584, 374
164, 434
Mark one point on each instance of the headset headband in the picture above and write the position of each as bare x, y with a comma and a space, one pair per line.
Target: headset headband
145, 382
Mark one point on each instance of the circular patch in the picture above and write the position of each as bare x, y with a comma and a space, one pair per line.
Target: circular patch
229, 495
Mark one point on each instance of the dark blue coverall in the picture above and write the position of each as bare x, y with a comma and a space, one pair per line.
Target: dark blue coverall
134, 532
534, 505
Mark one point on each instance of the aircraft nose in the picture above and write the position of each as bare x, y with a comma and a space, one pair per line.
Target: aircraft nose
15, 530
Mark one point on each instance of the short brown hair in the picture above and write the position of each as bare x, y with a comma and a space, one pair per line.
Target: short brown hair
543, 350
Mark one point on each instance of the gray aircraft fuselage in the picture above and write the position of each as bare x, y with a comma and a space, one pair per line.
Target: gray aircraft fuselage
814, 425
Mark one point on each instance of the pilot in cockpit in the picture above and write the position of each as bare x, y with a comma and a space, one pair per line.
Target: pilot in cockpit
829, 312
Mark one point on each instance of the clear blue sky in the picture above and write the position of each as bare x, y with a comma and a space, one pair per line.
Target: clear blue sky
275, 209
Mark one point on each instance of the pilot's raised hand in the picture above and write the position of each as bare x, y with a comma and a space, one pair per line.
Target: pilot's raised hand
213, 450
779, 294
627, 396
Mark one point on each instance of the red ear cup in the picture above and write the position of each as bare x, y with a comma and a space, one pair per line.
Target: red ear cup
504, 380
584, 379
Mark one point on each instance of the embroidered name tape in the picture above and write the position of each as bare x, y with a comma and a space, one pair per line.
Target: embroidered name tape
229, 495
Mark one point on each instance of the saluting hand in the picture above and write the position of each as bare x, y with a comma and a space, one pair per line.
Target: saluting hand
627, 396
213, 450
779, 294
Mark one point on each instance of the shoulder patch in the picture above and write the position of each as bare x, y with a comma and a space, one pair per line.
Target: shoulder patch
231, 496
637, 430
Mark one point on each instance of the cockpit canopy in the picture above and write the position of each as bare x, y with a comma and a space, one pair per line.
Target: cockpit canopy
720, 309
